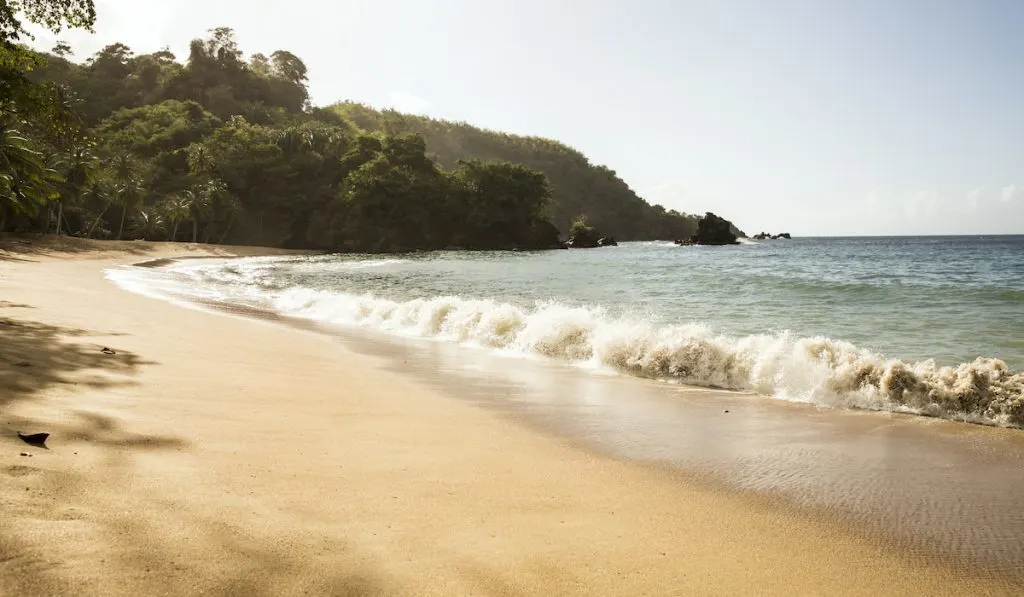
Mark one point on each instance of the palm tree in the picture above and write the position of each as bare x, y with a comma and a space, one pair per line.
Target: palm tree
197, 201
229, 204
200, 162
98, 192
79, 168
148, 224
127, 187
202, 206
176, 208
25, 181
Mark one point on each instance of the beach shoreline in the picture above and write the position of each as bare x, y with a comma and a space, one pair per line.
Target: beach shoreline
213, 454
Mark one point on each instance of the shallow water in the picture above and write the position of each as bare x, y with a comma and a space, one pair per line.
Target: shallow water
926, 325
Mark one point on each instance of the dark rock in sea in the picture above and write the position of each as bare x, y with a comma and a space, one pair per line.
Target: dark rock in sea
713, 230
768, 236
34, 439
607, 241
684, 242
582, 236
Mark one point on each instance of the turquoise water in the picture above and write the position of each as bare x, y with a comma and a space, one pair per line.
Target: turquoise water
932, 324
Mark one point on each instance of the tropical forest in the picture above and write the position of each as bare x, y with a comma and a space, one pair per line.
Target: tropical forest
223, 147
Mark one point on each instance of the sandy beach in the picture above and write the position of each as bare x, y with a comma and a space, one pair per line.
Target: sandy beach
215, 454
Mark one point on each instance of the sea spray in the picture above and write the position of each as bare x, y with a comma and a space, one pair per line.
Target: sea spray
817, 370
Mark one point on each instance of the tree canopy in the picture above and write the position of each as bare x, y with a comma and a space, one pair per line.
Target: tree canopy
226, 148
578, 187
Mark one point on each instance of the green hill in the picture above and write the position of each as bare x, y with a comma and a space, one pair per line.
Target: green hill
225, 148
579, 188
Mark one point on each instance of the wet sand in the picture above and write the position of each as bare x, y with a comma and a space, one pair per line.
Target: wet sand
216, 454
940, 491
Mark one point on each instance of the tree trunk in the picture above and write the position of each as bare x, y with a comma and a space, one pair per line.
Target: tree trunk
174, 232
96, 222
195, 230
60, 214
208, 231
124, 212
231, 221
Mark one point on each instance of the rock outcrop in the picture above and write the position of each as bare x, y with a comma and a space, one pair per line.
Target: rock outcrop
582, 236
713, 230
768, 236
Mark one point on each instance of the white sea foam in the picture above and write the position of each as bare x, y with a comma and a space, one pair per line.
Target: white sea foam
817, 370
370, 263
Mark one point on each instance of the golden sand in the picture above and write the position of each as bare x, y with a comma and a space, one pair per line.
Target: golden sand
217, 455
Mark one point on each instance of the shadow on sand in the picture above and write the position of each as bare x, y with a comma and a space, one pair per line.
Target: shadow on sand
28, 247
48, 489
35, 356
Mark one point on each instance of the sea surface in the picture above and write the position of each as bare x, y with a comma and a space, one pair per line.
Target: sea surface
929, 325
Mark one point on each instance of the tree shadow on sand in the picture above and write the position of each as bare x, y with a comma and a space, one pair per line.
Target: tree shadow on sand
27, 247
35, 356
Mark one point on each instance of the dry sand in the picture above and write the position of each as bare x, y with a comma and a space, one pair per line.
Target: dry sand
214, 454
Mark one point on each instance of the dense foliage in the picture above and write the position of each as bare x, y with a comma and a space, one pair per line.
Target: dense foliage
578, 187
229, 150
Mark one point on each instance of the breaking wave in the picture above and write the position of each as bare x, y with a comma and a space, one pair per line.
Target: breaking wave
816, 370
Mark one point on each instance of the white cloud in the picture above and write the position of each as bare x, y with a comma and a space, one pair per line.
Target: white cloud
933, 211
974, 198
408, 103
1011, 192
922, 203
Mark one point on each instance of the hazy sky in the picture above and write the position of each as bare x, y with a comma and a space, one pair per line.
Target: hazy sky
814, 117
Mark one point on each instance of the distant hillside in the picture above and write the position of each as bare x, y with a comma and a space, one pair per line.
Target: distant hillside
579, 188
223, 148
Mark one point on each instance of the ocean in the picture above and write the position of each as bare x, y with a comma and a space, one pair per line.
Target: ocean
927, 325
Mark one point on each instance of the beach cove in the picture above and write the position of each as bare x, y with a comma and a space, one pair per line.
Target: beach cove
224, 454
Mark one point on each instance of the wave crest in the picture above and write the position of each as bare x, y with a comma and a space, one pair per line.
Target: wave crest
818, 370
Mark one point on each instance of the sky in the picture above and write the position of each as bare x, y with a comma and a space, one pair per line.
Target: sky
816, 117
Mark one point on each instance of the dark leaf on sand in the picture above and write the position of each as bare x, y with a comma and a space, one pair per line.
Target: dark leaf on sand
106, 350
34, 439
